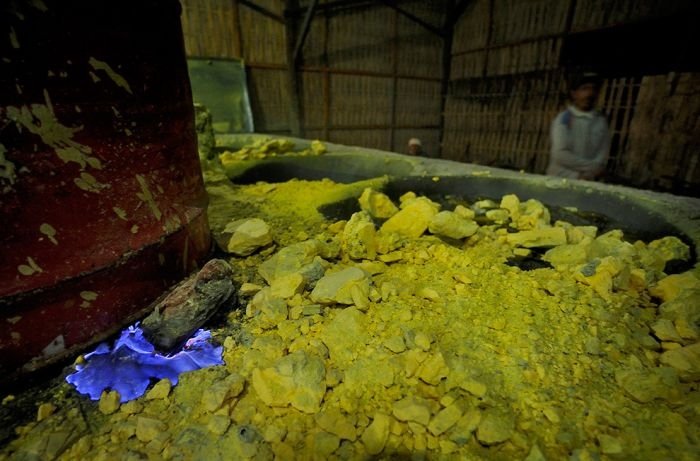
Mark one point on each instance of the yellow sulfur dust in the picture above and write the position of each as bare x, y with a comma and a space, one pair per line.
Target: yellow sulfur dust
416, 346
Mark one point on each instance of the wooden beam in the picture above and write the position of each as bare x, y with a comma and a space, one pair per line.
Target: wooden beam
304, 30
257, 8
318, 69
331, 6
458, 10
372, 127
392, 4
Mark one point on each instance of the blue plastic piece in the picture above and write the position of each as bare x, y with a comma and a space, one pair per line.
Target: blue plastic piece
134, 362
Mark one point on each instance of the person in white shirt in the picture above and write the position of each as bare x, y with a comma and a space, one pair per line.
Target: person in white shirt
579, 134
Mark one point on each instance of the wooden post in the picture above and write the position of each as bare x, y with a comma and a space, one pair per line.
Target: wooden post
292, 68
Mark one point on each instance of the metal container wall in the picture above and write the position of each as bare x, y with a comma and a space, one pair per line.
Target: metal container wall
102, 204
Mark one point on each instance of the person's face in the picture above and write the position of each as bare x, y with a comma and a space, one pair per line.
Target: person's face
584, 96
413, 149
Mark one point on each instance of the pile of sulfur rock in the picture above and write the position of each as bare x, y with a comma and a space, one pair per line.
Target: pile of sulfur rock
401, 333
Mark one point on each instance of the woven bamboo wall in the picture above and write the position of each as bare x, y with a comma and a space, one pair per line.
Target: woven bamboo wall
369, 76
507, 83
230, 29
210, 28
664, 144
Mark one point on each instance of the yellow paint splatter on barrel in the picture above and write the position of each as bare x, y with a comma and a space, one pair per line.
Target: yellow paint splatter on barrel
146, 196
49, 231
30, 268
116, 78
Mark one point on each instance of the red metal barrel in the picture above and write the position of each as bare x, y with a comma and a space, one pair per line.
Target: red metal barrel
102, 205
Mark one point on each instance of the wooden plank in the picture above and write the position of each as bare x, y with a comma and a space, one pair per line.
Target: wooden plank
259, 9
385, 126
304, 30
393, 5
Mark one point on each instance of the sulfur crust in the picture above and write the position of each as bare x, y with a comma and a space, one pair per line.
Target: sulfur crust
449, 354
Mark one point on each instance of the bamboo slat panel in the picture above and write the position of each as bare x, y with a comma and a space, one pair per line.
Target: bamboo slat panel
471, 30
515, 20
269, 99
314, 50
210, 28
360, 101
467, 65
617, 101
418, 103
315, 134
527, 57
361, 39
263, 38
419, 51
592, 14
312, 99
432, 12
664, 146
374, 139
503, 121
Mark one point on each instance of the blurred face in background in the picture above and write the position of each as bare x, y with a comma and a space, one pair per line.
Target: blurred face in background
584, 96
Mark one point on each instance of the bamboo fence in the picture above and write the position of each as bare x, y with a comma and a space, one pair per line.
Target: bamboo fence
372, 77
507, 83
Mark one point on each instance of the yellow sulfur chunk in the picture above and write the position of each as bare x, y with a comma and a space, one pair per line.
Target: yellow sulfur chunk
413, 219
333, 421
686, 360
44, 411
495, 428
670, 248
599, 274
433, 369
287, 286
322, 444
670, 287
358, 240
377, 204
148, 429
550, 236
317, 147
161, 390
297, 379
445, 419
452, 225
375, 436
218, 424
412, 409
109, 402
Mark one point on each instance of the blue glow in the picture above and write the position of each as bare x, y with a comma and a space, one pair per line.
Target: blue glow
134, 362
